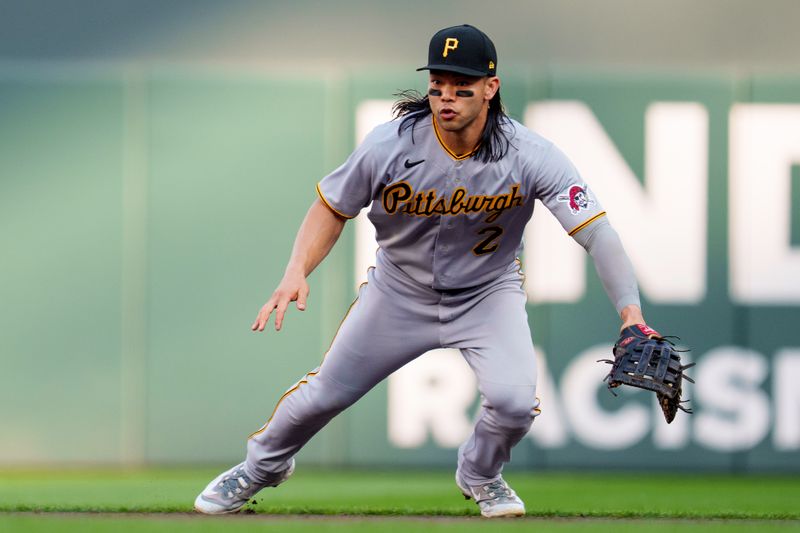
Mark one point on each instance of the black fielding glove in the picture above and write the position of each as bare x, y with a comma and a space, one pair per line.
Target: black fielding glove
646, 360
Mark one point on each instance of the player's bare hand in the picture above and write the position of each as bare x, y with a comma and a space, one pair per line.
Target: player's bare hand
293, 288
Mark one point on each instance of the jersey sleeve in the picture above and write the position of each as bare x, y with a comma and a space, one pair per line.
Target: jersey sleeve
348, 189
562, 190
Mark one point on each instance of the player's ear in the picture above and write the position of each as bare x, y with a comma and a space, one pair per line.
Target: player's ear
491, 87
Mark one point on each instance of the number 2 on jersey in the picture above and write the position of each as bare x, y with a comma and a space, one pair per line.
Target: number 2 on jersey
490, 243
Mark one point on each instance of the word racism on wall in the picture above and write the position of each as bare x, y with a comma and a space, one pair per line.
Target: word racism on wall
433, 395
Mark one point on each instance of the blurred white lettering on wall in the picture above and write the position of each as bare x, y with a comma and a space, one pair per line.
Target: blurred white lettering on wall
431, 394
670, 207
764, 144
432, 397
591, 424
735, 412
786, 436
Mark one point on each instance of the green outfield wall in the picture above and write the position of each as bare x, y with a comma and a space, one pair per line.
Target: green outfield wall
146, 215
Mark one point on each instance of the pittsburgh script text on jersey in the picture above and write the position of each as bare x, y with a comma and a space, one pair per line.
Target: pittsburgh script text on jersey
427, 203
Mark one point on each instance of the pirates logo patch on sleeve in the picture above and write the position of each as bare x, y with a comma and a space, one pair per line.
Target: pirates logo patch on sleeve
577, 197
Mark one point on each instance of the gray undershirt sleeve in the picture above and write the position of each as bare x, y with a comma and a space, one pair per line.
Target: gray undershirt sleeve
611, 262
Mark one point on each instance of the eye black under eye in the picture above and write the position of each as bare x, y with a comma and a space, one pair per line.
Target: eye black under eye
434, 92
465, 93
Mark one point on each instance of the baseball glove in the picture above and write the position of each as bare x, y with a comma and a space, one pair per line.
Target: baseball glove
645, 359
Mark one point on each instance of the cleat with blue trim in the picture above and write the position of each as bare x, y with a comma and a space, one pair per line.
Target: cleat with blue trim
495, 499
230, 490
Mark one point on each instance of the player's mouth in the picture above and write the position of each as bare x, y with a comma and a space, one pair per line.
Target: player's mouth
447, 114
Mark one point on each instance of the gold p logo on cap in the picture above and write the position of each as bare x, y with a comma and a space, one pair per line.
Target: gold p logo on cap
449, 44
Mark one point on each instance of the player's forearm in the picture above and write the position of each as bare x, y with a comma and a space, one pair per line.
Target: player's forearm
317, 234
612, 265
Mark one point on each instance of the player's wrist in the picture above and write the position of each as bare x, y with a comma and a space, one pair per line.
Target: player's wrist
631, 315
295, 268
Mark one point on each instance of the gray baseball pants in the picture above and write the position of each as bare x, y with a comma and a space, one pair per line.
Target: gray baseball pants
392, 322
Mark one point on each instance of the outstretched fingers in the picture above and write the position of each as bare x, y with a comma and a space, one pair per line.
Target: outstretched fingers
290, 290
263, 315
280, 310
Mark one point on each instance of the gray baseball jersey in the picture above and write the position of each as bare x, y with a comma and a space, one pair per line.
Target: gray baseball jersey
449, 229
452, 222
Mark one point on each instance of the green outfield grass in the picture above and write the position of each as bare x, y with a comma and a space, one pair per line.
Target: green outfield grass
161, 500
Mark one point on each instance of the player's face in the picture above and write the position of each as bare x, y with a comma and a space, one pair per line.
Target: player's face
458, 100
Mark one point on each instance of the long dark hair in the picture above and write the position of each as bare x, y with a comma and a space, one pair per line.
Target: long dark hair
412, 106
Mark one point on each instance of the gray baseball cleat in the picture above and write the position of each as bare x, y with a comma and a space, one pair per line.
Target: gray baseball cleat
230, 490
495, 499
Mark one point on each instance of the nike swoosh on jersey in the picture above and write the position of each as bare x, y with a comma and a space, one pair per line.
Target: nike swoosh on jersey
409, 164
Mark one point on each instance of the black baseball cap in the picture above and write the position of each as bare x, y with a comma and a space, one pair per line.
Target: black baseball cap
463, 49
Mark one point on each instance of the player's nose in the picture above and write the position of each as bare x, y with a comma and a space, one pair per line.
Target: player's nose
448, 93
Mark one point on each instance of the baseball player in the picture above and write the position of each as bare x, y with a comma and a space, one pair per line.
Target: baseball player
452, 183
